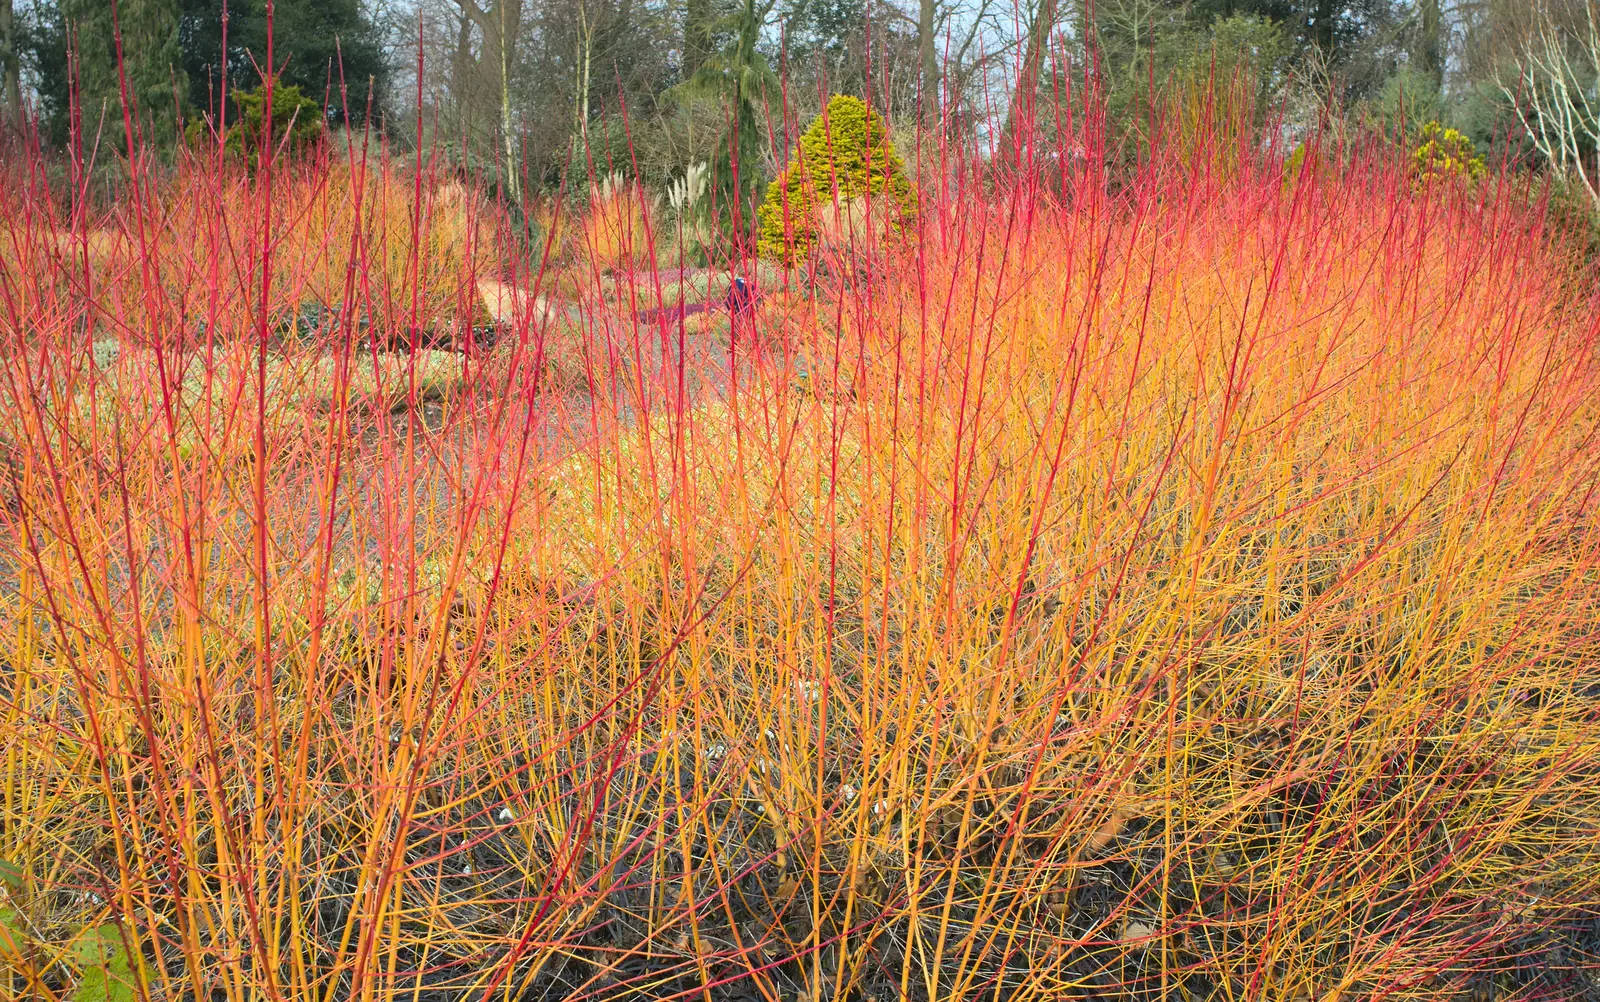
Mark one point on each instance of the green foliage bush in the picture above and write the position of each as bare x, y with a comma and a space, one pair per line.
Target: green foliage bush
293, 115
846, 151
1445, 154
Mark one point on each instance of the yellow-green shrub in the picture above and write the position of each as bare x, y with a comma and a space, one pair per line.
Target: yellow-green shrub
845, 154
1445, 153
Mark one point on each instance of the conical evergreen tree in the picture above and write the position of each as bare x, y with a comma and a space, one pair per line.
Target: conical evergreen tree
845, 153
742, 78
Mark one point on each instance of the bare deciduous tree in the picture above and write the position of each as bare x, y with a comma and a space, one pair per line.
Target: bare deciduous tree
1555, 94
495, 25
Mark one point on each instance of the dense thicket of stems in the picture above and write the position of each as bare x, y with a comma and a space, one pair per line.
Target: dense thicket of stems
1179, 583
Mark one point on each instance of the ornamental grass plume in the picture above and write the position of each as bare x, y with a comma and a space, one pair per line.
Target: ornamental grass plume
616, 233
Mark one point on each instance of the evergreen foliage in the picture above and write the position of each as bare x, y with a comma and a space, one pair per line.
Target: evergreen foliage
1445, 154
845, 154
293, 115
316, 45
152, 61
742, 78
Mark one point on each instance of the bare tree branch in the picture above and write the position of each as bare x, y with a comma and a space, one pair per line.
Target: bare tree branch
1554, 95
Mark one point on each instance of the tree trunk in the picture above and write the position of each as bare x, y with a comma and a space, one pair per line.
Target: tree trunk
1430, 47
1322, 25
930, 62
500, 25
11, 65
585, 56
461, 61
508, 40
462, 70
